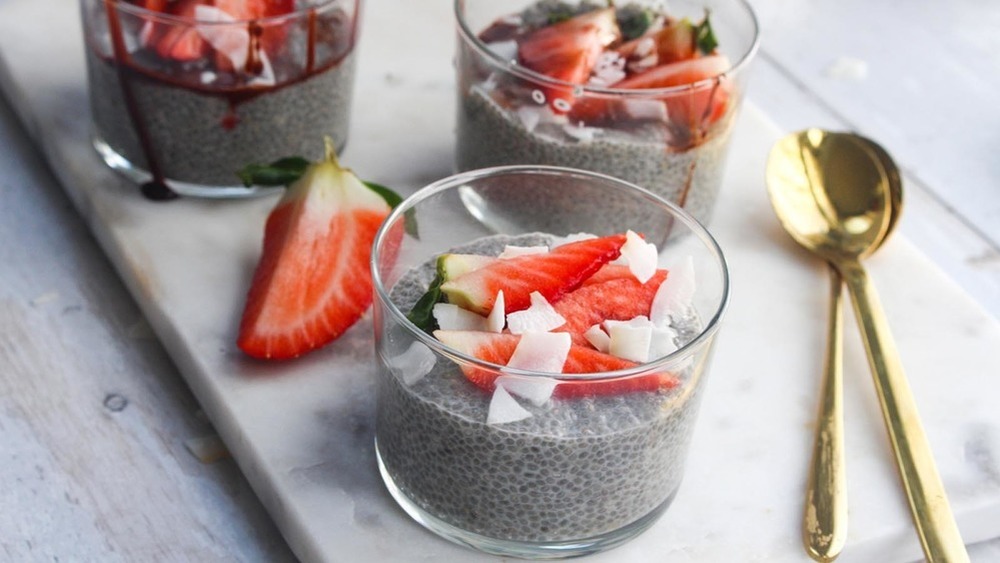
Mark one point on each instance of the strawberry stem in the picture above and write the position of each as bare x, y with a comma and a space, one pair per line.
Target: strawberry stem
331, 152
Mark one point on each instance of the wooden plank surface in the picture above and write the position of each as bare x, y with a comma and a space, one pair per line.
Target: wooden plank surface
95, 421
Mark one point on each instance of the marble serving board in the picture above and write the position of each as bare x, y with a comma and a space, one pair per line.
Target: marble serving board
302, 431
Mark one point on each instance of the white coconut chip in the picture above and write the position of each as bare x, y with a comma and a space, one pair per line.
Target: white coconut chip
630, 339
412, 365
511, 251
580, 132
504, 409
496, 319
642, 256
662, 342
504, 49
541, 351
575, 237
675, 294
453, 317
648, 110
598, 338
539, 317
536, 389
530, 116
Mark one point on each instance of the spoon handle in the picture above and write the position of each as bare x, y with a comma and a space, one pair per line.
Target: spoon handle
824, 524
932, 515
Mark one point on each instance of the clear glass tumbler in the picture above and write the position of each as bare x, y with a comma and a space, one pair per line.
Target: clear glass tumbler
186, 93
583, 472
671, 140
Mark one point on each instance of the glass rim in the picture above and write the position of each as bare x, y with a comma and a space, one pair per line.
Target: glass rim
520, 71
146, 13
455, 181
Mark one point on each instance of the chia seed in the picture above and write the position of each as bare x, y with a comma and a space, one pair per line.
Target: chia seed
201, 138
491, 135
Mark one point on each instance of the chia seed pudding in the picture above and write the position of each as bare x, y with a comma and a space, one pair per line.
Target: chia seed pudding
666, 136
190, 121
578, 468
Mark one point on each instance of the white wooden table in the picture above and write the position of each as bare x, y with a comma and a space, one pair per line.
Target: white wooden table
97, 427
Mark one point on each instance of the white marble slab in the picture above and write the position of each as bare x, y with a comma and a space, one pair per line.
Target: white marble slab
302, 431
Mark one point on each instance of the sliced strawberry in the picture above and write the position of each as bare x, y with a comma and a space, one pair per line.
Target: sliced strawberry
552, 274
609, 272
313, 280
498, 349
568, 50
617, 299
703, 103
676, 42
272, 34
154, 5
174, 40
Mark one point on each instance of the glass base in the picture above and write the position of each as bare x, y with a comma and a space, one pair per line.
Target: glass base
117, 162
511, 548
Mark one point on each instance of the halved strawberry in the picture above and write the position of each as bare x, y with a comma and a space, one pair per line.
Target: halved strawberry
552, 274
313, 280
617, 299
568, 51
498, 348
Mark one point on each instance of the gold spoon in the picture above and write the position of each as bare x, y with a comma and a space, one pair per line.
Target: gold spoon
834, 195
824, 523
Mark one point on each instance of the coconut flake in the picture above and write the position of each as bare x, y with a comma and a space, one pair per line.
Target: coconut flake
675, 294
412, 365
511, 251
530, 116
504, 409
645, 46
598, 338
580, 132
609, 69
642, 256
662, 342
629, 340
496, 318
648, 110
575, 237
536, 389
453, 317
541, 351
504, 49
539, 317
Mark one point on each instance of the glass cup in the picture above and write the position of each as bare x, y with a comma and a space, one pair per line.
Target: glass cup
584, 472
185, 96
669, 140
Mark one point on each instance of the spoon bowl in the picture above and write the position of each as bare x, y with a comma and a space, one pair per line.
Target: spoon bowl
839, 195
830, 192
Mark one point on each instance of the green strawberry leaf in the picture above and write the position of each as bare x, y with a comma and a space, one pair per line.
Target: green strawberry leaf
394, 199
281, 172
633, 21
422, 313
704, 36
